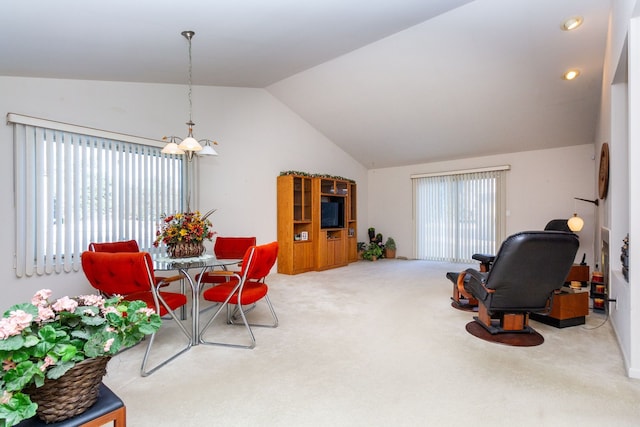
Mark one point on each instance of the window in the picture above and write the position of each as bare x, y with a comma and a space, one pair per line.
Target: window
459, 214
75, 185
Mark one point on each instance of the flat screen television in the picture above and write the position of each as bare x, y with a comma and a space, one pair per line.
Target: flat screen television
332, 214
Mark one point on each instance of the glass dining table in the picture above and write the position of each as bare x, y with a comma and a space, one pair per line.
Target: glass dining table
200, 265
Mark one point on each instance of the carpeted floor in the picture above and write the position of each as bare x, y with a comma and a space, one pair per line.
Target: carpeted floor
378, 344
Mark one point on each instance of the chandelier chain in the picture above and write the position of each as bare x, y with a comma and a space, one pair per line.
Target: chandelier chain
189, 144
190, 82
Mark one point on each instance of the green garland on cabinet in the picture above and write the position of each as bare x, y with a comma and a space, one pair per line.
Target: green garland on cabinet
316, 175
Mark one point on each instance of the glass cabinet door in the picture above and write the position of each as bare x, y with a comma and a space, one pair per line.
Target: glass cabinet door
301, 199
297, 199
341, 187
327, 186
306, 200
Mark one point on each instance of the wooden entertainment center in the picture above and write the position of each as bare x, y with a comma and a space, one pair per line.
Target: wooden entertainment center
317, 223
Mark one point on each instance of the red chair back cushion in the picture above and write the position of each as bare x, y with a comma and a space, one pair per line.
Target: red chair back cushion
123, 246
232, 247
118, 272
259, 260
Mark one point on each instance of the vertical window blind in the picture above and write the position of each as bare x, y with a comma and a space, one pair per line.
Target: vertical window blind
459, 214
75, 185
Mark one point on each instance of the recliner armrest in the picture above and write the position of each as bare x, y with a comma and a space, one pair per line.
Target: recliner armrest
476, 285
485, 261
484, 258
478, 276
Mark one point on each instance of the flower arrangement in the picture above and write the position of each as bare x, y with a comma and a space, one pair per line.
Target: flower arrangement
41, 340
187, 227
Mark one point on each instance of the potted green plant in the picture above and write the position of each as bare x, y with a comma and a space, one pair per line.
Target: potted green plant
372, 233
373, 252
390, 248
41, 341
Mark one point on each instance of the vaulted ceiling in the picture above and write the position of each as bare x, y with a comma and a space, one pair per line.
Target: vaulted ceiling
392, 82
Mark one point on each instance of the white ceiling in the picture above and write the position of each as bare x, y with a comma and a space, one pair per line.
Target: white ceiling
393, 82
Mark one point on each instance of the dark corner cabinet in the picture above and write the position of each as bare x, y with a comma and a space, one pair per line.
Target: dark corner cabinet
317, 223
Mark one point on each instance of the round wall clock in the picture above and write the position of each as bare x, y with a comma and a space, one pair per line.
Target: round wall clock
603, 173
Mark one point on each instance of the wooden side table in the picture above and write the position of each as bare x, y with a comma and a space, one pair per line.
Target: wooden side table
567, 309
578, 273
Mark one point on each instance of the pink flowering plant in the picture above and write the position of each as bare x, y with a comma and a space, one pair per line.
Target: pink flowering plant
40, 340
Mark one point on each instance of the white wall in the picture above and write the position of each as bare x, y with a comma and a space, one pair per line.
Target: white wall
258, 136
618, 126
262, 138
633, 315
541, 186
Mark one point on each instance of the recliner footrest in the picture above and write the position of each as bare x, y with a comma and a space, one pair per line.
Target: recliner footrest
453, 276
460, 301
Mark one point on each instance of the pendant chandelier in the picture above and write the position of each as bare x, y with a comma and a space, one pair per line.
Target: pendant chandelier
189, 145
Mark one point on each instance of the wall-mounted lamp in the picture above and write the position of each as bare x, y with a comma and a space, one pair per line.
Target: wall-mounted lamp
576, 223
595, 202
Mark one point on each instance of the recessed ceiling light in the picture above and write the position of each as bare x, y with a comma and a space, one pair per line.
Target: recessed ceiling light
571, 74
572, 23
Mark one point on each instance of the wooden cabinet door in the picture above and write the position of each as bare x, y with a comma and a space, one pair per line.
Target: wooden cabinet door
332, 254
334, 250
303, 257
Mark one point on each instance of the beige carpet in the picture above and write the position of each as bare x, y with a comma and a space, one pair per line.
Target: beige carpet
378, 344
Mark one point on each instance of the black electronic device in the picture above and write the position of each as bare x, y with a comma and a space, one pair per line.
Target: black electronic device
332, 213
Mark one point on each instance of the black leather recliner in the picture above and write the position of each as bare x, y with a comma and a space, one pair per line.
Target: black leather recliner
558, 225
461, 299
526, 271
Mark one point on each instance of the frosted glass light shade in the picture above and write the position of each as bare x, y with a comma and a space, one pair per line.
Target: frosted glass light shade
190, 144
207, 150
172, 148
575, 223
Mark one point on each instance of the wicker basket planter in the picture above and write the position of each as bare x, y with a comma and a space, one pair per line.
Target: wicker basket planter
185, 250
71, 394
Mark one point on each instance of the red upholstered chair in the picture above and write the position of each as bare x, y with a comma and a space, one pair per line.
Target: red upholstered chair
122, 246
132, 246
227, 248
129, 246
130, 274
232, 247
244, 288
